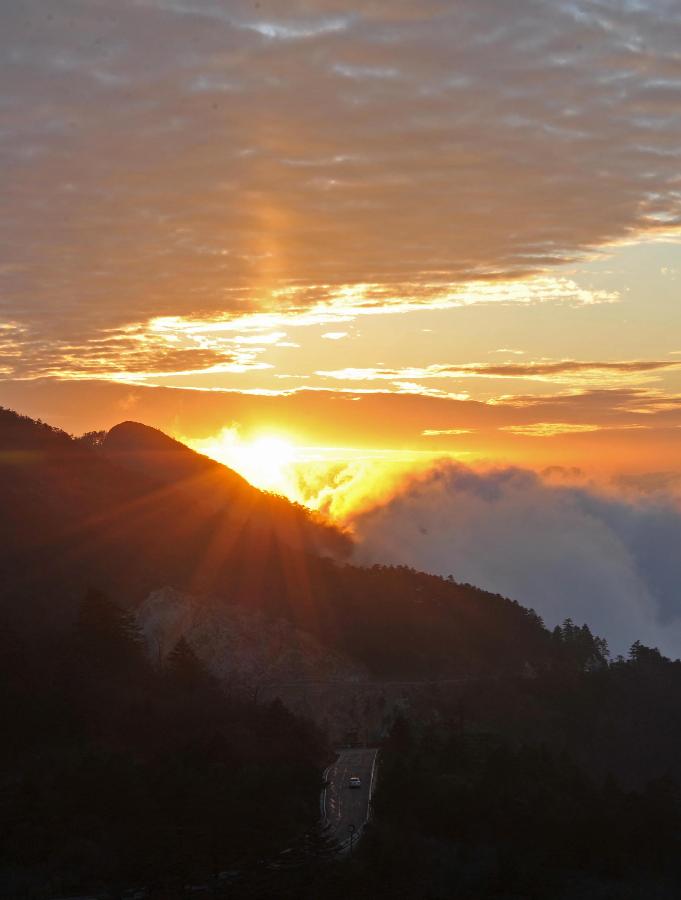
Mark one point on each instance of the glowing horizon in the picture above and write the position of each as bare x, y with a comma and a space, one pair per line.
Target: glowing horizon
336, 481
383, 227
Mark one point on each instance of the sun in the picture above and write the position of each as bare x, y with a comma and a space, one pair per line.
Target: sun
266, 460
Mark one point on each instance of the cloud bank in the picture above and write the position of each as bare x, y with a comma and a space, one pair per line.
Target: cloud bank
566, 551
195, 158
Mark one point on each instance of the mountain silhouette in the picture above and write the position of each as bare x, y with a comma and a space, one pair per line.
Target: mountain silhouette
133, 511
151, 453
130, 514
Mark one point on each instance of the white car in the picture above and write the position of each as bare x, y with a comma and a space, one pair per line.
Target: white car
355, 782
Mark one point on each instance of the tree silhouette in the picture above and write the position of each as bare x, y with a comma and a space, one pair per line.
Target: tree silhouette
646, 657
579, 648
106, 634
184, 667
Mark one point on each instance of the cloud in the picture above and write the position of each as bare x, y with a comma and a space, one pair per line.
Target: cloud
550, 429
569, 367
375, 417
610, 561
444, 432
168, 158
559, 371
123, 354
311, 306
11, 345
615, 404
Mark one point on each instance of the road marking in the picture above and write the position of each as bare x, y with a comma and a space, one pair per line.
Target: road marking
343, 804
371, 785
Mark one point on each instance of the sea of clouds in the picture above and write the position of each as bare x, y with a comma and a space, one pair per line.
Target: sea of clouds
610, 558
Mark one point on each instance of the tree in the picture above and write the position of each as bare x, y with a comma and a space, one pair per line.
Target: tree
92, 439
106, 634
641, 655
184, 667
580, 648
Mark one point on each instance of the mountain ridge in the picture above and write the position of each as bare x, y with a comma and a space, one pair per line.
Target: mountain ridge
116, 515
76, 514
149, 451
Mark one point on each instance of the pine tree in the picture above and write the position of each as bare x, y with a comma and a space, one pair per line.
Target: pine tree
184, 667
106, 634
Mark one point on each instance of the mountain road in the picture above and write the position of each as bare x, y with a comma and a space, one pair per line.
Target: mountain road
344, 806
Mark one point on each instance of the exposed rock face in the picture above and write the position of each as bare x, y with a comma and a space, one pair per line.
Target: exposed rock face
243, 648
257, 657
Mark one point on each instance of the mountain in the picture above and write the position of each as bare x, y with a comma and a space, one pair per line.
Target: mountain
136, 512
145, 743
168, 462
130, 515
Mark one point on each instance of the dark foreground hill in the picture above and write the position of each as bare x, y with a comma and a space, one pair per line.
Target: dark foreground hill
525, 763
115, 772
137, 511
200, 480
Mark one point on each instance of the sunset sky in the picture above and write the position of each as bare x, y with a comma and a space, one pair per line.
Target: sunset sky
388, 230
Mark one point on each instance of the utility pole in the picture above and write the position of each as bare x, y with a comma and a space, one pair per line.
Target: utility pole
352, 835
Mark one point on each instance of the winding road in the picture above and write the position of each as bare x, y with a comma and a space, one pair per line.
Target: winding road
344, 806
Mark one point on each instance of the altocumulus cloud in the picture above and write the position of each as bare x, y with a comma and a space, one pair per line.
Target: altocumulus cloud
189, 157
566, 551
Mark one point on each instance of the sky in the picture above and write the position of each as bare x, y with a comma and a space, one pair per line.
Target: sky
361, 236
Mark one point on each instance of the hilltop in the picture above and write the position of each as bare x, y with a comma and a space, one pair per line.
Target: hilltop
130, 513
155, 455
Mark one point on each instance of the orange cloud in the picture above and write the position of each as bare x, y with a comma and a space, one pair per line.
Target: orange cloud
191, 161
560, 371
551, 429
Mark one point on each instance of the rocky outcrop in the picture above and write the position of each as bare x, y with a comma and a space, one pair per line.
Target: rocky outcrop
247, 651
264, 659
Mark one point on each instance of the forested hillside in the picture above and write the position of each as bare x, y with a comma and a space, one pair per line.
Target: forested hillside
535, 760
472, 815
115, 772
134, 511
